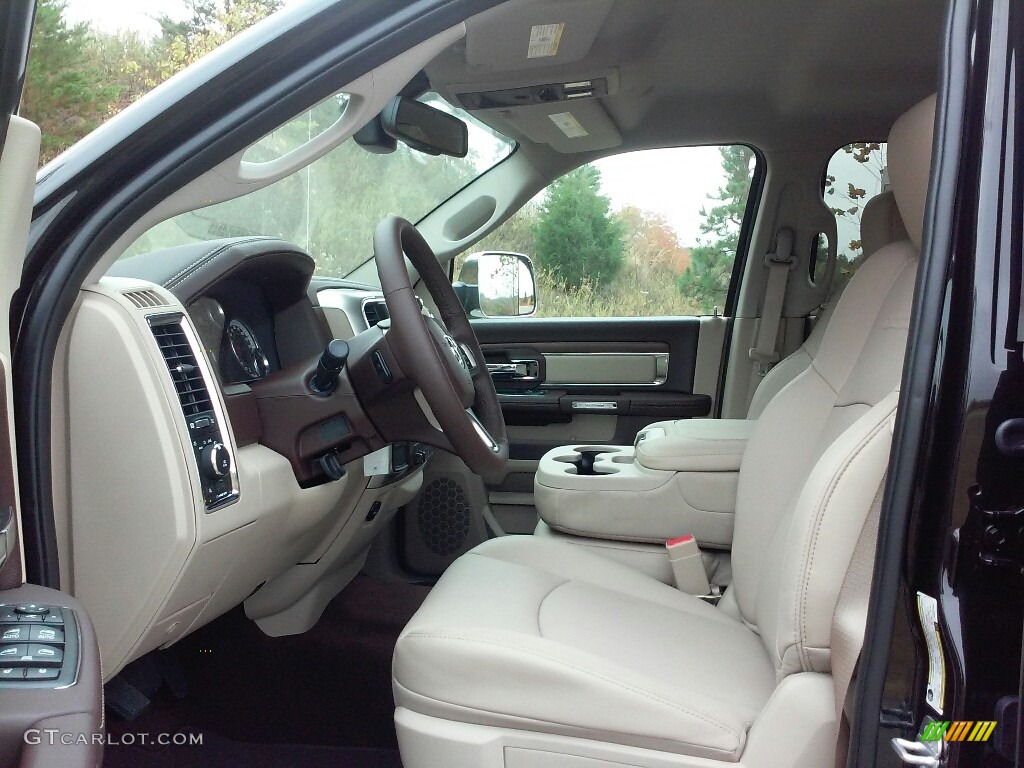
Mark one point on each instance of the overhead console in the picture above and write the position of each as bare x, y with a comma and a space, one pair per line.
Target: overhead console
502, 74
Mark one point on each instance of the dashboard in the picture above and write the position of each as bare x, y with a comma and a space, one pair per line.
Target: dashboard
207, 349
236, 328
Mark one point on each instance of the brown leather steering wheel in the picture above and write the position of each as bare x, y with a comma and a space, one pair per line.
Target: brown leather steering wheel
443, 357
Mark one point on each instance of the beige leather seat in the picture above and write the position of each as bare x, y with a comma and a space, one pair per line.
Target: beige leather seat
532, 652
880, 225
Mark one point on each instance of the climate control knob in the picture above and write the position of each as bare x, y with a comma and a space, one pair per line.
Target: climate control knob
214, 461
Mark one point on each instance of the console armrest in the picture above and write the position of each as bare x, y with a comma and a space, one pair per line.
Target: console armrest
696, 445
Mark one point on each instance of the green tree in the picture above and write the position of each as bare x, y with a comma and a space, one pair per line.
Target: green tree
515, 233
707, 278
577, 239
129, 63
65, 92
212, 23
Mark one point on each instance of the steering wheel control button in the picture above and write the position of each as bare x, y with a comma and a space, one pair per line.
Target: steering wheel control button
40, 633
11, 673
15, 633
31, 609
45, 655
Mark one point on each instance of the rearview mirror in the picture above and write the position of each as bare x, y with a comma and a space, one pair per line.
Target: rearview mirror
498, 284
425, 128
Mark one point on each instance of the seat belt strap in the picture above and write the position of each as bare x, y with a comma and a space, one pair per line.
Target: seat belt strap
780, 263
849, 622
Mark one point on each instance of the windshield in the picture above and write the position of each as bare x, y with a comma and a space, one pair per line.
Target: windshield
331, 207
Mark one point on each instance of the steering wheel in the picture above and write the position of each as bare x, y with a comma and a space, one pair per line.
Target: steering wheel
442, 357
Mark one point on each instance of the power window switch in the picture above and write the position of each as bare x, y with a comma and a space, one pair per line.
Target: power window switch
45, 655
53, 617
11, 654
40, 633
8, 615
42, 673
14, 633
11, 673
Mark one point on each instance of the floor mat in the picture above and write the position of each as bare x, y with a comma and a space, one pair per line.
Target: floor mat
254, 696
224, 753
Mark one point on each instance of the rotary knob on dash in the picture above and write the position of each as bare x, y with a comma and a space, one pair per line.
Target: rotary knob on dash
215, 461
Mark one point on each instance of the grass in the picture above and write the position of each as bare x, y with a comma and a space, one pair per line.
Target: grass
637, 291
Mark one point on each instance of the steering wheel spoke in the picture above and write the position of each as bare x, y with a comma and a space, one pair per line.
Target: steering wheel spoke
441, 355
481, 430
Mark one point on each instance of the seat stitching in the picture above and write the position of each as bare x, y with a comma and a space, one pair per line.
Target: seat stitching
540, 605
626, 686
722, 619
809, 554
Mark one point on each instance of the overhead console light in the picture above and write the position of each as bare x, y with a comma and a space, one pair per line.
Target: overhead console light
535, 94
568, 125
583, 127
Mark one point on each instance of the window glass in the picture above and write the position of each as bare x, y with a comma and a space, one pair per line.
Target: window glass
640, 234
856, 173
331, 207
298, 132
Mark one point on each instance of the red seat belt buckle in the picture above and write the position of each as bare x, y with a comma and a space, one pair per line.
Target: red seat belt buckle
687, 565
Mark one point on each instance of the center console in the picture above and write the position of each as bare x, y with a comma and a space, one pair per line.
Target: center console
678, 478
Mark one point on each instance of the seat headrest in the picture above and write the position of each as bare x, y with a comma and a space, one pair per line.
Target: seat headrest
910, 161
881, 224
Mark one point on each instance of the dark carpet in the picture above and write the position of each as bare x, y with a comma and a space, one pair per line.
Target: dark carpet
224, 753
254, 698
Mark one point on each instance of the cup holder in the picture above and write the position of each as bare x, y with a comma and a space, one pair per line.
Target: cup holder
582, 460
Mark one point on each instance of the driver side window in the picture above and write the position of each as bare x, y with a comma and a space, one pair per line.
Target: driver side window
641, 234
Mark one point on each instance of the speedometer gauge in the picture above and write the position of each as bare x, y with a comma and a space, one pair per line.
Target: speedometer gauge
246, 350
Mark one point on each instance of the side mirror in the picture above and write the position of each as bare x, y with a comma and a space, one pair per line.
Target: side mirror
425, 128
498, 284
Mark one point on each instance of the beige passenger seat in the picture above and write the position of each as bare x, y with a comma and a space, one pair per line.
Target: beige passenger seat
880, 225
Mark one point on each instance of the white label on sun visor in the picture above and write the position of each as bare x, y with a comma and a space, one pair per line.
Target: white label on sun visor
568, 125
928, 611
544, 40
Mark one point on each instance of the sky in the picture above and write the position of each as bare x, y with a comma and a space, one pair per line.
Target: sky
114, 15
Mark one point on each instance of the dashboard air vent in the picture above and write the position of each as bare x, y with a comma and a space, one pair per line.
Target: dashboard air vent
145, 299
181, 362
374, 311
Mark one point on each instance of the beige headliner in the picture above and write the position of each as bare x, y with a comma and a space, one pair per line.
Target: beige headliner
800, 74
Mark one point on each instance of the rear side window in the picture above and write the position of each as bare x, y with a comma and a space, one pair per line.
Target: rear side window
641, 234
855, 174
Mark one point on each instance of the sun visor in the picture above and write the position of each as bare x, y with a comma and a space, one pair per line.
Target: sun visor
536, 33
577, 126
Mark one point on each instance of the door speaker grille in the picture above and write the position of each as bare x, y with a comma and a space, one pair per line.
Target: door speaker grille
443, 516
